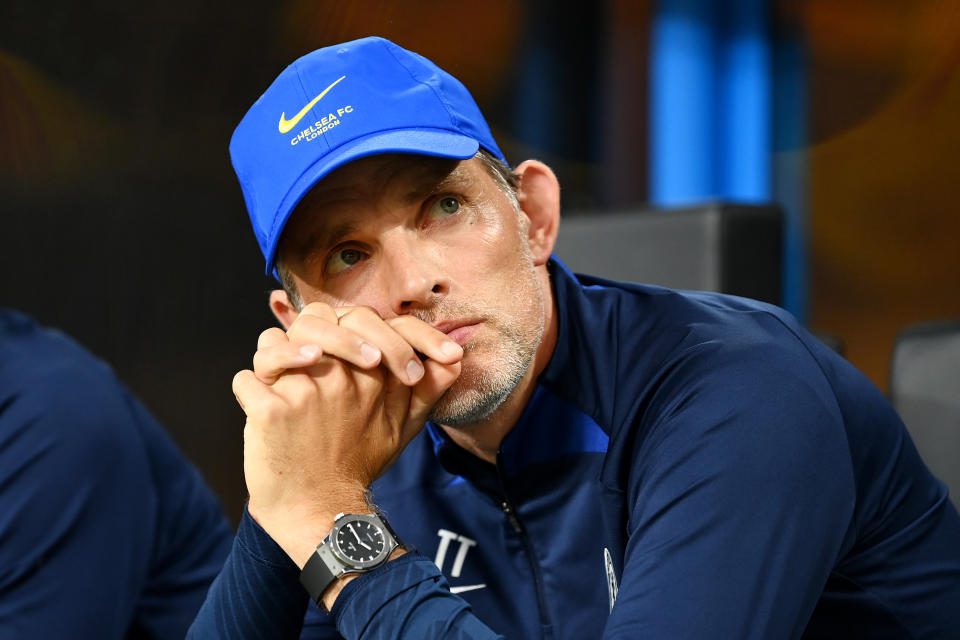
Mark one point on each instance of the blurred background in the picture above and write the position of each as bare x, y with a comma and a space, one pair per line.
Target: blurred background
123, 225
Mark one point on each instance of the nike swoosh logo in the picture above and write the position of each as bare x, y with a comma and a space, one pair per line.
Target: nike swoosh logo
467, 587
286, 125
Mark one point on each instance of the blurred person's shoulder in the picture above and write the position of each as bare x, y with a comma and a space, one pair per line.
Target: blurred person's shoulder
51, 386
33, 354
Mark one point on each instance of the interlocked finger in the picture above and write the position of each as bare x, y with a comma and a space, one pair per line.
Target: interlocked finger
399, 356
270, 362
334, 340
426, 339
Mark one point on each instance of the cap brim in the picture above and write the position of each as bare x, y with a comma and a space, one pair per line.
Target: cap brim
427, 142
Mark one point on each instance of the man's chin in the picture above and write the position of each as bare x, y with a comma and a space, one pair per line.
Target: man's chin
475, 396
466, 403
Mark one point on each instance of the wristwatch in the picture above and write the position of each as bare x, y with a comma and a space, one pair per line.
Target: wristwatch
357, 543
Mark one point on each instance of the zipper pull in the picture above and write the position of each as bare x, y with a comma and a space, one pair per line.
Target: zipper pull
511, 516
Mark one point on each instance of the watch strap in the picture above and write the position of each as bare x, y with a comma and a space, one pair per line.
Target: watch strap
317, 576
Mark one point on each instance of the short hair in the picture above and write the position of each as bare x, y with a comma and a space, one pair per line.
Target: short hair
506, 178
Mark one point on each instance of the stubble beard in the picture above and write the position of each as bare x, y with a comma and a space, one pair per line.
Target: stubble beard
484, 386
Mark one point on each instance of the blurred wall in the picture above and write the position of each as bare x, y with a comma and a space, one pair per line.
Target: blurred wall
885, 169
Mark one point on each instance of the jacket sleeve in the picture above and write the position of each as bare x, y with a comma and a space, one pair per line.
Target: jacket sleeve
741, 496
258, 595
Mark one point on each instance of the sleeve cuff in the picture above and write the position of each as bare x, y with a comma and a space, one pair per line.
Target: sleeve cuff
361, 598
258, 544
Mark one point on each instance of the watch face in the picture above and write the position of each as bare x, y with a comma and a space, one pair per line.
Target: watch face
360, 541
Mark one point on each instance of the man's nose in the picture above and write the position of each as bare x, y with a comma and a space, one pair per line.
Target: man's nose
415, 277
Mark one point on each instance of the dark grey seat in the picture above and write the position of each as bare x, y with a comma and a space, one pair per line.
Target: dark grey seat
716, 247
925, 389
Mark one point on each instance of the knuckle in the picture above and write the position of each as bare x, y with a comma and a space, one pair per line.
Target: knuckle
298, 322
305, 326
297, 391
317, 309
337, 384
243, 390
402, 321
398, 350
357, 315
261, 361
238, 380
273, 411
369, 380
273, 334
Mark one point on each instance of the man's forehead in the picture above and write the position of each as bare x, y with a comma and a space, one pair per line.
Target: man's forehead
377, 175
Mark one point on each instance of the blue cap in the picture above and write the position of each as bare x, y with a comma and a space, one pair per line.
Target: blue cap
339, 104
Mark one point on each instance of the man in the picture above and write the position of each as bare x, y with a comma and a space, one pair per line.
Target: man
106, 531
601, 458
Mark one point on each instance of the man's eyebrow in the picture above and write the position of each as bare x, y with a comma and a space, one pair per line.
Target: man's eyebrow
324, 238
458, 179
332, 235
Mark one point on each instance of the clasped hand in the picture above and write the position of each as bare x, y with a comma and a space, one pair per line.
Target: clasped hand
330, 404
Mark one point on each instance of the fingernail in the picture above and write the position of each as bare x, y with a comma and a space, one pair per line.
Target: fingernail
309, 351
369, 353
414, 370
451, 349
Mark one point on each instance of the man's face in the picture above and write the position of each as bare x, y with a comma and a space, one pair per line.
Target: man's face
436, 239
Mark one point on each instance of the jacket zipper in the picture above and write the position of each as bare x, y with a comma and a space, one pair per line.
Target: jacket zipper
511, 514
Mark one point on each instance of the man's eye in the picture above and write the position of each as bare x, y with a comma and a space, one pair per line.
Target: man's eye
446, 206
343, 259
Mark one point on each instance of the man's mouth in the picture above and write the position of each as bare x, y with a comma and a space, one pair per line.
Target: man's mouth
459, 331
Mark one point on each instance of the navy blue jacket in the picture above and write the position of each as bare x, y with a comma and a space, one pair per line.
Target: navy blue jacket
697, 459
106, 531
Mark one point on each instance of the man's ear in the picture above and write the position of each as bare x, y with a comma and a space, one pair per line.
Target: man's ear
284, 311
539, 196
